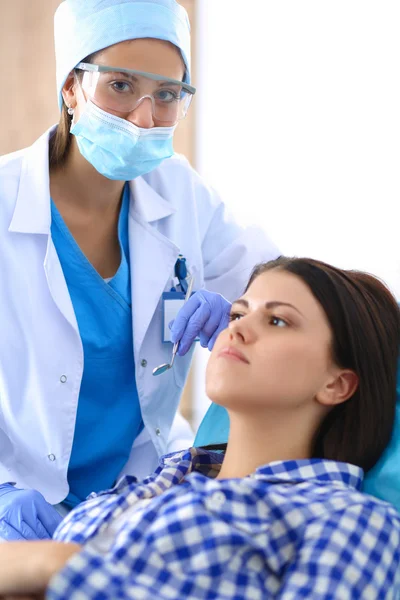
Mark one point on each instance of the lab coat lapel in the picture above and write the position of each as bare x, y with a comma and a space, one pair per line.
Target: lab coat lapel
32, 208
32, 215
152, 256
57, 284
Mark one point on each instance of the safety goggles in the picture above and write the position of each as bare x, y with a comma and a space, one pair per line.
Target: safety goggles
122, 90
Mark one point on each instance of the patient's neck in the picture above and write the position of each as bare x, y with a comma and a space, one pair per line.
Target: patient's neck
256, 440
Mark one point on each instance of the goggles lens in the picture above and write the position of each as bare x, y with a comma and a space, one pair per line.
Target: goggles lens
122, 91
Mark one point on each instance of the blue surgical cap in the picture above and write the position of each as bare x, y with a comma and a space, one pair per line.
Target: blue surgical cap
82, 27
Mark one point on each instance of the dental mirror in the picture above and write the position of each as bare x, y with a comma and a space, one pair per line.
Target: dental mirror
166, 366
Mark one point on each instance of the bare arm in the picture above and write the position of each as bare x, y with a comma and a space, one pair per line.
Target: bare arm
27, 567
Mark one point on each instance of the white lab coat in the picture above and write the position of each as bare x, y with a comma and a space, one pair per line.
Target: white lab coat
41, 356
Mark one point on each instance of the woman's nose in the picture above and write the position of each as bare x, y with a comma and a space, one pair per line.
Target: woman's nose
243, 330
142, 114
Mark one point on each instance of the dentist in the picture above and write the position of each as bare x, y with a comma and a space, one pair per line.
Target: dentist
94, 218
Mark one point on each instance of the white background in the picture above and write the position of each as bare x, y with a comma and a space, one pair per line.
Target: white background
298, 127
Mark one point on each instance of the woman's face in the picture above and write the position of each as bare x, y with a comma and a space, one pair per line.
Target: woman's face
148, 55
275, 353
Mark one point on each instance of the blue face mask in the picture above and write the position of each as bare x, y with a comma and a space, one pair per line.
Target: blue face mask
117, 148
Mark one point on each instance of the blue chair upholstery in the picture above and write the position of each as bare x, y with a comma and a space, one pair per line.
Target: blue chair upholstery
383, 480
214, 428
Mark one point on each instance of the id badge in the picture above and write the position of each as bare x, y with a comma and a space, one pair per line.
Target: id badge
172, 303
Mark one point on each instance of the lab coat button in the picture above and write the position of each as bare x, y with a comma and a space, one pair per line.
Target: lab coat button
63, 378
51, 457
144, 363
158, 431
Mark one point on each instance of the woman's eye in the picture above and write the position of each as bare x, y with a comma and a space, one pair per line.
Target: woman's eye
167, 96
277, 322
120, 86
235, 316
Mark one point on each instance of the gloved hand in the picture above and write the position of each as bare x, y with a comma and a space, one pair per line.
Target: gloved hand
25, 515
205, 314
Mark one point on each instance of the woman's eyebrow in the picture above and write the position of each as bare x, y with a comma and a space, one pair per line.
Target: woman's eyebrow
241, 301
122, 74
268, 305
167, 84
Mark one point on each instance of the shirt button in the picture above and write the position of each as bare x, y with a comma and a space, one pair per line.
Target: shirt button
218, 499
51, 457
158, 431
144, 363
63, 378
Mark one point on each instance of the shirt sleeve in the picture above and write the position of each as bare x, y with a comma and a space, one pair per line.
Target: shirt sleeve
355, 553
93, 576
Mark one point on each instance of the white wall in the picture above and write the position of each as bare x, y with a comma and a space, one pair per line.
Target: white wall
299, 126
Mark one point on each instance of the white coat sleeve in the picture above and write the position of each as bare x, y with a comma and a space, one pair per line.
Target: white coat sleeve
230, 253
202, 222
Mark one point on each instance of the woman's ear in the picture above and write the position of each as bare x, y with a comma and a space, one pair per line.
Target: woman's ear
340, 387
68, 91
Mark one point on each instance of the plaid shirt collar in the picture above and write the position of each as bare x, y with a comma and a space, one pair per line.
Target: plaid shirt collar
316, 469
175, 467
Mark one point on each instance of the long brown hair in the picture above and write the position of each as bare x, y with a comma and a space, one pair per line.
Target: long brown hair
365, 323
60, 142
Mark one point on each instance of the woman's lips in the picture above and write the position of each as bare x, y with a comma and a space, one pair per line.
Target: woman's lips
234, 354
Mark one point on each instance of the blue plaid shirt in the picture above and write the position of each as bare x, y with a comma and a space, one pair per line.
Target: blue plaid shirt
293, 529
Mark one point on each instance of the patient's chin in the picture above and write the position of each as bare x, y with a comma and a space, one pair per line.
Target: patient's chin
224, 383
222, 394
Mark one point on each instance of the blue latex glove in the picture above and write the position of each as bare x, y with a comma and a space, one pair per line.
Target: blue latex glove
205, 314
25, 515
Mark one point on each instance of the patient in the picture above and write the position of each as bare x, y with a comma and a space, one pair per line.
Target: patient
307, 371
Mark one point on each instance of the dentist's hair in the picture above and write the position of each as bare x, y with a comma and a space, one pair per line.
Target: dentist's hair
365, 322
60, 142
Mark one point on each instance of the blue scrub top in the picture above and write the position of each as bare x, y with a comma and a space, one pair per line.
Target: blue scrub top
108, 417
